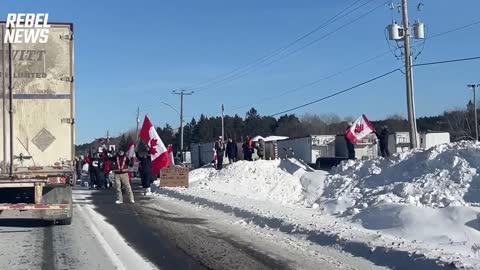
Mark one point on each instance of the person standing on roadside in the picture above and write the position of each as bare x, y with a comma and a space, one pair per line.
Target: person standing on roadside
220, 148
78, 167
97, 164
248, 149
120, 164
383, 141
107, 167
350, 146
261, 149
91, 171
232, 151
146, 171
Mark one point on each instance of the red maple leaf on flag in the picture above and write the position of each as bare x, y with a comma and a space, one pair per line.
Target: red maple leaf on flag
359, 128
153, 145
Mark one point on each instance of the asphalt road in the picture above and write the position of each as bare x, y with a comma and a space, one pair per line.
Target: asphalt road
151, 234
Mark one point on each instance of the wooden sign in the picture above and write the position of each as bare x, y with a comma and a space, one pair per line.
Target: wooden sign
174, 177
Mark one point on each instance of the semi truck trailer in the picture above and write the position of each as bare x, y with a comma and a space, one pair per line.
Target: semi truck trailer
37, 125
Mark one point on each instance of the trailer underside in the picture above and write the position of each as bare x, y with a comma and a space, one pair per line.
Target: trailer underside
52, 202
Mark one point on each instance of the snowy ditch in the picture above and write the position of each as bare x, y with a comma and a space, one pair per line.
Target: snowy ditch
417, 210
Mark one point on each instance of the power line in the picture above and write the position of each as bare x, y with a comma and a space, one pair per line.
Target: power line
248, 70
277, 51
454, 30
447, 61
337, 93
374, 79
357, 65
352, 67
314, 82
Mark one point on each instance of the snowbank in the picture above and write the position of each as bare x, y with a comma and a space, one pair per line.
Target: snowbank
445, 175
284, 181
418, 202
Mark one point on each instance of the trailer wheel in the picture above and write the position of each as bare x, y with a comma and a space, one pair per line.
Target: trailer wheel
66, 221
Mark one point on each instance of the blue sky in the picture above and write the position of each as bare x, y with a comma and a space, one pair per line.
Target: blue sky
134, 53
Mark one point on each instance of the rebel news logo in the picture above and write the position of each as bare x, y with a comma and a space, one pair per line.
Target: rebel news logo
26, 28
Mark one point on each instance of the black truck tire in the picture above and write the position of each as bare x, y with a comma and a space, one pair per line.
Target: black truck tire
66, 221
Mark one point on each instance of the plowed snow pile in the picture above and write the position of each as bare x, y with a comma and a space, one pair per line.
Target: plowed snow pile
419, 202
280, 181
442, 176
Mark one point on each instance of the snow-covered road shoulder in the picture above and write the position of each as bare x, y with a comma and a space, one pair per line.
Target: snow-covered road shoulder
417, 210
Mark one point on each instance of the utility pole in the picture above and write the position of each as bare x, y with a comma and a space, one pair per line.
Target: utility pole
408, 77
474, 88
181, 93
404, 33
223, 126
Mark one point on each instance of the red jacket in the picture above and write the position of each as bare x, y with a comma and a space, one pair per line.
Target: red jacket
107, 165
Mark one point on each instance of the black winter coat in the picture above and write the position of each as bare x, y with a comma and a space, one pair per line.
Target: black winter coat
220, 148
383, 137
146, 170
232, 150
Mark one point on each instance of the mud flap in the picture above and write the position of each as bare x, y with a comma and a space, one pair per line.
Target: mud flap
58, 195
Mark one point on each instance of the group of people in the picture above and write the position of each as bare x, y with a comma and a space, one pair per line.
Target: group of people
231, 150
100, 165
382, 142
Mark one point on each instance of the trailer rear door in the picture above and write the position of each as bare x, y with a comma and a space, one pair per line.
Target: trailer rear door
43, 99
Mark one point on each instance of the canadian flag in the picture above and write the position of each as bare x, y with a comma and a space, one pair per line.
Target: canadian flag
158, 152
131, 150
360, 128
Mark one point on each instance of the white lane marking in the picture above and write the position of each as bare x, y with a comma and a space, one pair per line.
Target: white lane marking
122, 255
117, 263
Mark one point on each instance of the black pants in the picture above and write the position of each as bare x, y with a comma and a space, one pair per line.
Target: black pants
231, 160
93, 178
147, 179
350, 150
219, 162
100, 179
106, 177
384, 151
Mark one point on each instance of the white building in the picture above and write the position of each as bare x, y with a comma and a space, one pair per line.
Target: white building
307, 148
431, 139
367, 148
399, 142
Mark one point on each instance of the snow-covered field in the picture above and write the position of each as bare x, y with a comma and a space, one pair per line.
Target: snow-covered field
418, 209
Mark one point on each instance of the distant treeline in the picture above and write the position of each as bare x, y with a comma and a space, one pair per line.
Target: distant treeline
459, 122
